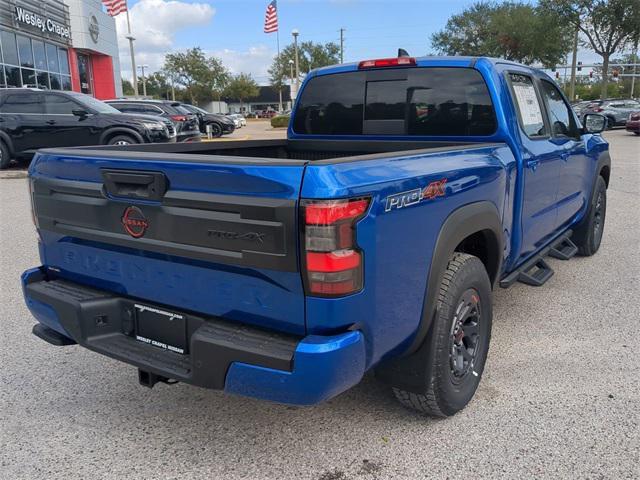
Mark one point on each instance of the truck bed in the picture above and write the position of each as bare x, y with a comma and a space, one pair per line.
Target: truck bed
275, 152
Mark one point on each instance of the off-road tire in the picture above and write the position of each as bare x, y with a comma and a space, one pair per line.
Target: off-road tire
588, 235
5, 159
443, 396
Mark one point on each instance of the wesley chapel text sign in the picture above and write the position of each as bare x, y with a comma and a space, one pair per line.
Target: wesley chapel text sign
43, 23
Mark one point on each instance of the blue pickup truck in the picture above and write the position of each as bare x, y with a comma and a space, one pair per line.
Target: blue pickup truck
370, 239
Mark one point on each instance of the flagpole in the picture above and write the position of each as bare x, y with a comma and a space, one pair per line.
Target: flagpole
133, 59
280, 82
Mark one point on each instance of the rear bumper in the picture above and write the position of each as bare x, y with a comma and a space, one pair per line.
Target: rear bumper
221, 355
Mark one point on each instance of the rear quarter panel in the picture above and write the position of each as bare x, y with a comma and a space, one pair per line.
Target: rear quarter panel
398, 244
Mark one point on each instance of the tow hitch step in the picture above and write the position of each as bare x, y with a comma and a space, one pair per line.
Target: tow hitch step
149, 379
564, 250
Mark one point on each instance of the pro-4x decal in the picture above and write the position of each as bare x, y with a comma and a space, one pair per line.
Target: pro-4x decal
411, 197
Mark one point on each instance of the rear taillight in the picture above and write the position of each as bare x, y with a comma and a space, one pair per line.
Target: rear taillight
333, 261
598, 109
179, 118
388, 62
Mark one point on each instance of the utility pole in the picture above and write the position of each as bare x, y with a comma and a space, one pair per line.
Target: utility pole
635, 66
144, 80
574, 61
342, 45
291, 95
133, 59
295, 34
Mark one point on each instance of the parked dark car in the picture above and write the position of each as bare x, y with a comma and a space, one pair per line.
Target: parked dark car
616, 110
220, 124
31, 119
579, 106
633, 123
186, 123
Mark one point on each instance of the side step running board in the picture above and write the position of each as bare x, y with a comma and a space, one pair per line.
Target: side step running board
536, 271
564, 250
537, 275
51, 336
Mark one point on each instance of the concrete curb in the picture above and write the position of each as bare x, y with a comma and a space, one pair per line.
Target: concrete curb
13, 174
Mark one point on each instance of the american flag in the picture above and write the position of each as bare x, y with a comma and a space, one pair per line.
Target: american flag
114, 7
271, 18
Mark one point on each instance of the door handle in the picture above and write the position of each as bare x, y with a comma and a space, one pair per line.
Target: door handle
533, 164
50, 122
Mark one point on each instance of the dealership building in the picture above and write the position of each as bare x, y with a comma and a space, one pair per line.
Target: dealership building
59, 45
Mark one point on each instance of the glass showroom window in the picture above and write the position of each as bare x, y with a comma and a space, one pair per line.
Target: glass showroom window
32, 63
24, 51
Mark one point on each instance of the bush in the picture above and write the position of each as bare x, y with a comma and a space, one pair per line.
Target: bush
280, 121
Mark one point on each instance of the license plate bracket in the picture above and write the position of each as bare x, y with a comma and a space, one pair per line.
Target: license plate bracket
161, 328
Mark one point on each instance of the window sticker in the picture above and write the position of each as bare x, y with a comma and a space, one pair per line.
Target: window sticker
528, 104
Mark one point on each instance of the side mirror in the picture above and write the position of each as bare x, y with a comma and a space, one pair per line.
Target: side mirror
80, 112
594, 123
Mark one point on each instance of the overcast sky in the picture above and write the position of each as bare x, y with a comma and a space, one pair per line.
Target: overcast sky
232, 29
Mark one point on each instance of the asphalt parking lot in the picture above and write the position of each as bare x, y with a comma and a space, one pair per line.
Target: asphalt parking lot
560, 397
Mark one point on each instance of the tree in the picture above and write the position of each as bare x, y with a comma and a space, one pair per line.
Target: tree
310, 55
157, 85
511, 30
127, 87
608, 25
242, 87
201, 77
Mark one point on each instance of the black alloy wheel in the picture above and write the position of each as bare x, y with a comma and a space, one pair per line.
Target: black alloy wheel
464, 338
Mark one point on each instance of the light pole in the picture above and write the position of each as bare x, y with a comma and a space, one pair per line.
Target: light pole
133, 58
144, 79
291, 94
295, 34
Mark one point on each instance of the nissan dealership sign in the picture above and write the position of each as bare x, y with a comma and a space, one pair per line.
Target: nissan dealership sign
43, 23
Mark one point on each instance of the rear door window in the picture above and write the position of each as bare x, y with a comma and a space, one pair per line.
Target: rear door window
24, 103
412, 101
59, 105
150, 110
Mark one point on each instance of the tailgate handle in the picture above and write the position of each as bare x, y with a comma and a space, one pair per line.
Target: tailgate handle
135, 184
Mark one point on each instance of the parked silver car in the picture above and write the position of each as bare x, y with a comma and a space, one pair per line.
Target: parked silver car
616, 110
241, 119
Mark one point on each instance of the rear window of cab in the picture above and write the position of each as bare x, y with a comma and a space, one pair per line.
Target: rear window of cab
429, 101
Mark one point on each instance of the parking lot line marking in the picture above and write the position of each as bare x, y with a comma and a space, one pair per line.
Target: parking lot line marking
245, 137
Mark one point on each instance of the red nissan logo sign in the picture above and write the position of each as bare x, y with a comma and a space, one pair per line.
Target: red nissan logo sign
134, 222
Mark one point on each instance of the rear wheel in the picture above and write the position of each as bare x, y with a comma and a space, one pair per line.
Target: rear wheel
588, 235
459, 340
122, 140
5, 160
611, 122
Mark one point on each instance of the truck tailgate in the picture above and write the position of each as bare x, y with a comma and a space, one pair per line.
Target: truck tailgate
215, 238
